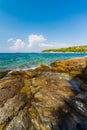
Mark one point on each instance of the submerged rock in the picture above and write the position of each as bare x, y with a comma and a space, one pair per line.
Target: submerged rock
42, 99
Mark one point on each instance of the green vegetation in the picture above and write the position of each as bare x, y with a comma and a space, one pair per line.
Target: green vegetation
68, 49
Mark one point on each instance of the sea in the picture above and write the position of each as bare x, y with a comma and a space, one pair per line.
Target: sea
11, 61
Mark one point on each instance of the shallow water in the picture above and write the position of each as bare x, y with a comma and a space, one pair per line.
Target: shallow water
31, 60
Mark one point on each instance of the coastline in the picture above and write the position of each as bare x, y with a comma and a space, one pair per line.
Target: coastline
49, 93
32, 60
67, 52
41, 66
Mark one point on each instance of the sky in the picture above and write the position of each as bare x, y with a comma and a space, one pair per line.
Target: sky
35, 25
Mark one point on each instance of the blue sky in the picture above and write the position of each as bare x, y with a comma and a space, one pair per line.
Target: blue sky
34, 25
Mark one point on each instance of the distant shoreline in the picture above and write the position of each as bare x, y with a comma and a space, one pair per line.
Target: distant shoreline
72, 49
65, 52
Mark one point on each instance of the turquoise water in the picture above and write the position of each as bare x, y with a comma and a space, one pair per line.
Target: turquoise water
9, 61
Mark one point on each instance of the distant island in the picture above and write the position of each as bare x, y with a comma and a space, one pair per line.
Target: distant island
68, 49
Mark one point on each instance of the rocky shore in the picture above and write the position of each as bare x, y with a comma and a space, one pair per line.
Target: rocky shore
46, 98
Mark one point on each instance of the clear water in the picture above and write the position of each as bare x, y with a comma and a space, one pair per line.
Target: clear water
9, 61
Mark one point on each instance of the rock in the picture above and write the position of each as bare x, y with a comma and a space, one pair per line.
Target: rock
24, 73
43, 99
43, 67
31, 102
50, 108
12, 107
49, 101
83, 87
4, 73
74, 66
79, 105
20, 122
9, 88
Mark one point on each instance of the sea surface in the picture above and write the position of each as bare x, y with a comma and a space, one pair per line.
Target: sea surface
10, 61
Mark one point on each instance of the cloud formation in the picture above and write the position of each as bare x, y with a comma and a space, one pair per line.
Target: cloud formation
10, 39
36, 43
18, 45
35, 39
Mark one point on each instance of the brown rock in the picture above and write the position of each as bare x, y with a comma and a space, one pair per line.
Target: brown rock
42, 68
42, 100
74, 66
24, 73
20, 122
11, 107
9, 88
48, 100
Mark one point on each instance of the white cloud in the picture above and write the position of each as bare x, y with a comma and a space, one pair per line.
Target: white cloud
36, 43
18, 45
10, 40
39, 43
35, 39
